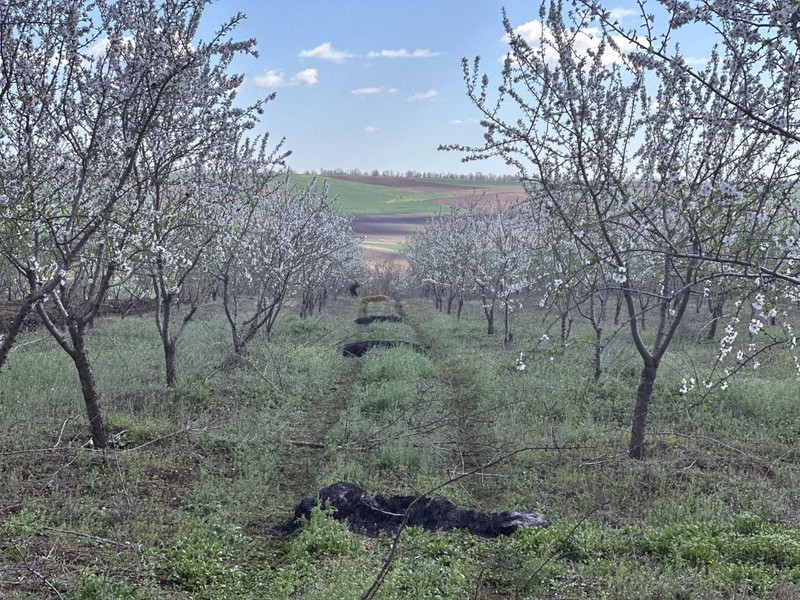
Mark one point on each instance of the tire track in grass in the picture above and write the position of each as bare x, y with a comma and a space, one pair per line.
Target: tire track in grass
467, 442
307, 456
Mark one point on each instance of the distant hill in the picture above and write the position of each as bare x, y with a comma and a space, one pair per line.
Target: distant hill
387, 210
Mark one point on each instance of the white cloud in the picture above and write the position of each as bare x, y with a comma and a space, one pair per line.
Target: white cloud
586, 40
273, 79
464, 121
367, 91
373, 91
100, 47
305, 77
423, 96
695, 61
370, 129
403, 53
325, 51
621, 13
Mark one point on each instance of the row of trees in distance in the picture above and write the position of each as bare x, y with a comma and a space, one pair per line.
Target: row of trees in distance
127, 162
476, 176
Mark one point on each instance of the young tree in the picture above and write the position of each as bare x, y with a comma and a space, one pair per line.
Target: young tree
89, 92
438, 257
649, 176
489, 251
195, 193
290, 240
501, 261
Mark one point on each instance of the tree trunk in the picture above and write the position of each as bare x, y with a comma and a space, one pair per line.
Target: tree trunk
169, 362
566, 327
15, 328
639, 420
164, 323
488, 310
36, 294
716, 313
81, 359
598, 353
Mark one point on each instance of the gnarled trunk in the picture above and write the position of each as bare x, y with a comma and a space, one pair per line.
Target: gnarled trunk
639, 421
90, 398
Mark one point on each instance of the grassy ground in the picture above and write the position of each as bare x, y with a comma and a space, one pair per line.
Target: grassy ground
189, 502
357, 198
386, 246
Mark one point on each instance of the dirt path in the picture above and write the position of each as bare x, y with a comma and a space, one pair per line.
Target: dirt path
306, 459
466, 439
445, 419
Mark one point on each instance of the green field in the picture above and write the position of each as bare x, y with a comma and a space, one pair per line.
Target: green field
361, 198
387, 246
189, 501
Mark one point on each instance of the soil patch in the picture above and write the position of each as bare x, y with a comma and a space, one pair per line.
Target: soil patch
388, 228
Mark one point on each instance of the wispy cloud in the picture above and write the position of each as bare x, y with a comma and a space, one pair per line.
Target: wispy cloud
305, 77
373, 90
325, 51
621, 13
464, 121
403, 53
696, 61
273, 79
585, 41
370, 129
423, 96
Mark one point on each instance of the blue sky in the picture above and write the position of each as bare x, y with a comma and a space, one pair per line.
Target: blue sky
371, 84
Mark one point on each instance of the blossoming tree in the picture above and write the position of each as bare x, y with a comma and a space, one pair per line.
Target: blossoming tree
753, 73
650, 176
89, 99
205, 186
438, 258
489, 251
292, 239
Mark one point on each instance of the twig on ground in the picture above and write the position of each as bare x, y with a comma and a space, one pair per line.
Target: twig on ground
319, 445
19, 345
89, 536
61, 433
34, 450
185, 430
703, 437
28, 566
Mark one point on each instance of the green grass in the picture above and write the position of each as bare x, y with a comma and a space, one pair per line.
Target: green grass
189, 502
366, 199
386, 246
